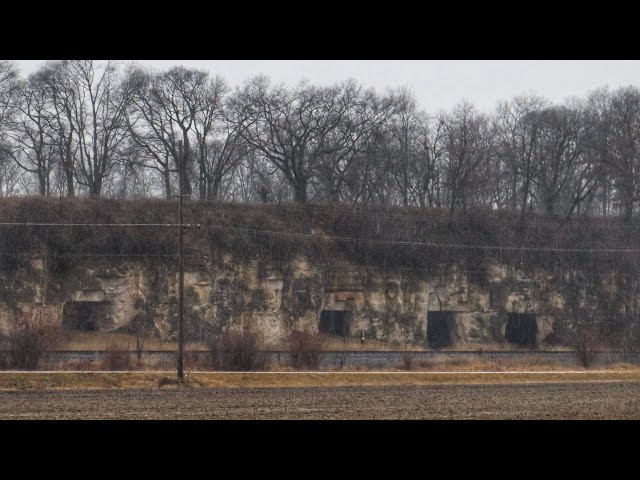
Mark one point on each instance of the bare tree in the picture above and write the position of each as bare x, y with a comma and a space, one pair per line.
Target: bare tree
517, 133
33, 136
624, 159
467, 141
12, 181
98, 118
9, 85
288, 127
55, 79
427, 166
256, 179
297, 129
215, 137
558, 156
404, 128
599, 143
365, 140
149, 129
178, 94
78, 126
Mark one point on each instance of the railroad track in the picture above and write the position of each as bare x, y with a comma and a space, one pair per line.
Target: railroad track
357, 358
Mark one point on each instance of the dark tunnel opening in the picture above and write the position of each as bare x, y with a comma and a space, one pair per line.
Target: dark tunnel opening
441, 328
522, 329
83, 316
335, 322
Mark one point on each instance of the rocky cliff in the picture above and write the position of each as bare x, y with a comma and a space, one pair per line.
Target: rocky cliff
319, 280
276, 298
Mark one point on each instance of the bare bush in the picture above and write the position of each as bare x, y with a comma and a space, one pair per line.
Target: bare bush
306, 349
4, 354
236, 351
196, 360
83, 365
588, 342
630, 340
426, 363
117, 357
341, 358
140, 331
408, 361
30, 337
139, 337
4, 357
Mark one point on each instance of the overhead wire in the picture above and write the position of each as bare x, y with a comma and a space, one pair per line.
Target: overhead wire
328, 237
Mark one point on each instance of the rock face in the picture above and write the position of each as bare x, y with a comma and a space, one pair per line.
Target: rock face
276, 299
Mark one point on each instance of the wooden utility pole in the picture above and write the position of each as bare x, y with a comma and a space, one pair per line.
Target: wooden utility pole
181, 272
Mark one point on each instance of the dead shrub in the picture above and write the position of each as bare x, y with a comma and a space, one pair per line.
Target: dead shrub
141, 328
84, 364
197, 361
408, 361
341, 358
117, 356
4, 359
164, 381
426, 363
630, 341
587, 343
236, 351
306, 349
4, 354
459, 362
31, 336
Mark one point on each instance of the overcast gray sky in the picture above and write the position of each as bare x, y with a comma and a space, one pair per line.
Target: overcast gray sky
438, 84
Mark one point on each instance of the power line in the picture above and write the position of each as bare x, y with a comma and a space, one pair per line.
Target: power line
333, 237
89, 254
424, 244
34, 224
420, 217
442, 216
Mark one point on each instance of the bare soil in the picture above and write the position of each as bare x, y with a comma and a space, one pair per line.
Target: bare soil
576, 400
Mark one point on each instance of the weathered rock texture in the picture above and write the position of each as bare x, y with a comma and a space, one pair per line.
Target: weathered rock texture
275, 299
276, 268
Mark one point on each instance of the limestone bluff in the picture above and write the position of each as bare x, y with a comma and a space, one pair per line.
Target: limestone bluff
420, 276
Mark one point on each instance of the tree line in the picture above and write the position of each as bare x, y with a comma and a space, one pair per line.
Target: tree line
104, 128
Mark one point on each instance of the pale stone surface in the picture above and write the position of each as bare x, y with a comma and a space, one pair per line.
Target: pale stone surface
274, 299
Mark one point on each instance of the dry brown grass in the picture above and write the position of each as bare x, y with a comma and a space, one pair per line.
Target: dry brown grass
236, 351
333, 343
504, 347
31, 336
117, 356
306, 349
482, 365
148, 380
99, 341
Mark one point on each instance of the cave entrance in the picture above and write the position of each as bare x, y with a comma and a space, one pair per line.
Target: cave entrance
335, 322
84, 316
522, 329
441, 329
